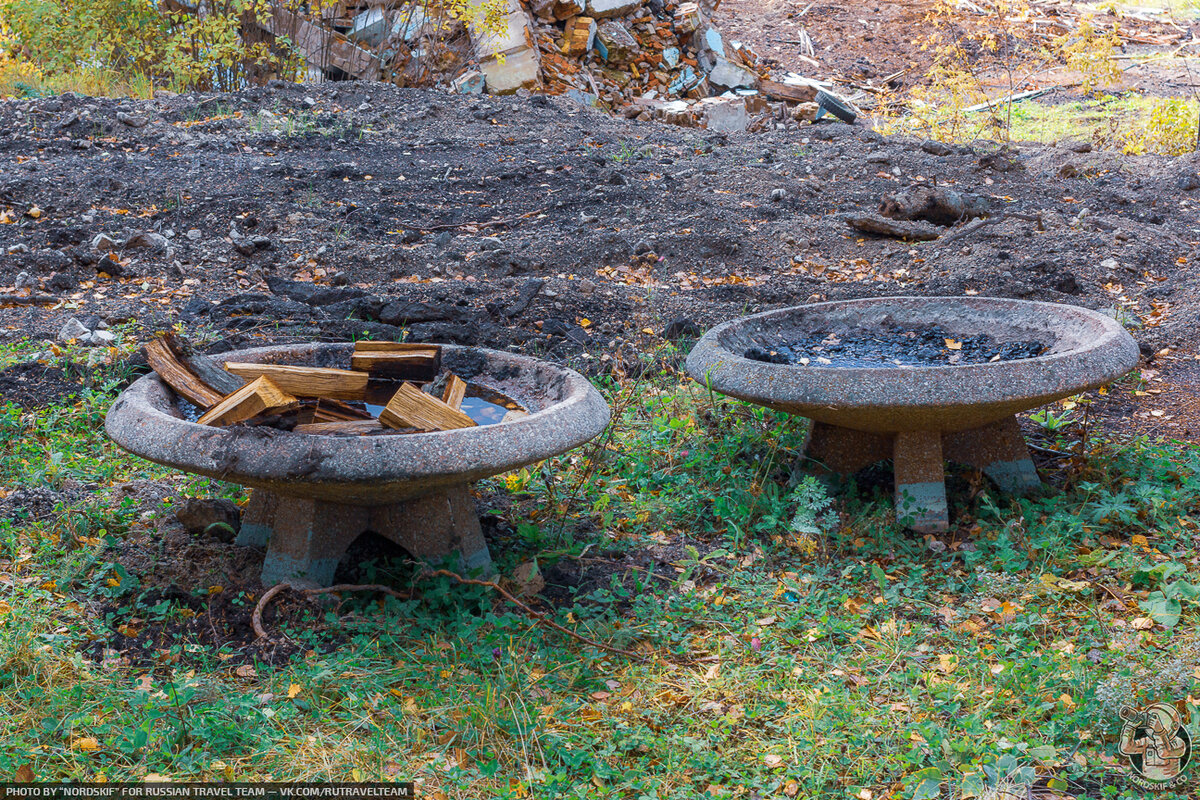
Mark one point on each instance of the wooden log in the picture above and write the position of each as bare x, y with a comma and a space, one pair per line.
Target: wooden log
213, 374
251, 400
177, 375
786, 91
412, 408
336, 384
938, 205
320, 46
327, 410
398, 360
911, 231
350, 427
455, 392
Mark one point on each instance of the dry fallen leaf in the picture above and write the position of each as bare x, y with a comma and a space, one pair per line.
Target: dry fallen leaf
951, 344
87, 744
294, 690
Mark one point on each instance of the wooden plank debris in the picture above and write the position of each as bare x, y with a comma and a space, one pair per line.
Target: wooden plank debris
164, 361
350, 427
412, 408
786, 91
456, 391
335, 384
326, 410
398, 360
320, 45
254, 398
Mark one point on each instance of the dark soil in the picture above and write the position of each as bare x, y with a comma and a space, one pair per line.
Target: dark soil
34, 385
546, 227
929, 347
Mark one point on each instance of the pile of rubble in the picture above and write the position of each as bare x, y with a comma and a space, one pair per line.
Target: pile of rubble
644, 58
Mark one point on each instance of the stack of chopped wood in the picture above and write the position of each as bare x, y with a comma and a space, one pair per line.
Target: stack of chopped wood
406, 379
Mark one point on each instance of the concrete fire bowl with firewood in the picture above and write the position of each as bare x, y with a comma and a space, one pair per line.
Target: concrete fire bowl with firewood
918, 416
313, 495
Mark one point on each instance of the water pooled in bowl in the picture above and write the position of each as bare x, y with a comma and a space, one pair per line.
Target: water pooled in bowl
932, 346
483, 406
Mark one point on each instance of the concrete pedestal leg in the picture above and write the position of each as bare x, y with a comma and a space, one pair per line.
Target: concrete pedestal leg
307, 538
920, 481
257, 519
1000, 451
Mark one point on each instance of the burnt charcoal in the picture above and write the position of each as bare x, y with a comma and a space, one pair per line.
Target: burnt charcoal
928, 347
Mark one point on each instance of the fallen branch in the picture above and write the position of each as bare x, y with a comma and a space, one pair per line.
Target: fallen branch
28, 300
899, 229
269, 594
416, 226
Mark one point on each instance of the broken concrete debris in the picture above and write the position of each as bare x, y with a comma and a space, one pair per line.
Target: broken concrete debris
650, 59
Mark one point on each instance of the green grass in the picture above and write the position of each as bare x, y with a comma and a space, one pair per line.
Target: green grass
794, 644
1129, 122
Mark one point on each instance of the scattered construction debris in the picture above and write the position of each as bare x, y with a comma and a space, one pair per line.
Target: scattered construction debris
328, 401
650, 59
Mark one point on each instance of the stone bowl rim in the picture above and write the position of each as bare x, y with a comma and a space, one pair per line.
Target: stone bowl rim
581, 415
910, 386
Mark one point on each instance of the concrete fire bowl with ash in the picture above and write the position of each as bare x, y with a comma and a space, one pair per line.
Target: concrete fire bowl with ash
314, 494
923, 410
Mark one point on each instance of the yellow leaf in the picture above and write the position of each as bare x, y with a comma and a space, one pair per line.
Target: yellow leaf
952, 344
87, 744
947, 662
294, 690
648, 331
1139, 540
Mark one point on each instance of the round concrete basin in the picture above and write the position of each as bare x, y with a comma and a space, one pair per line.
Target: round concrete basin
1085, 350
315, 494
564, 412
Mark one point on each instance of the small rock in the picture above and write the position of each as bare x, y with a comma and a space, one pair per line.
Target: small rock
778, 195
74, 329
586, 287
682, 328
936, 148
1189, 182
103, 244
131, 120
149, 240
23, 281
218, 518
364, 106
308, 102
103, 338
194, 234
642, 247
490, 243
17, 249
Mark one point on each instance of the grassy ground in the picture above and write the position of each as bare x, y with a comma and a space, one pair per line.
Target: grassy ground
797, 645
